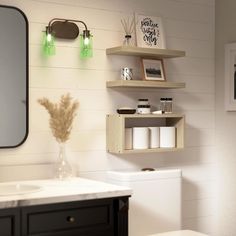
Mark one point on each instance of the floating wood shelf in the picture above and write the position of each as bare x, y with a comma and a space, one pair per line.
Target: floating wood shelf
144, 84
144, 52
116, 125
141, 116
150, 150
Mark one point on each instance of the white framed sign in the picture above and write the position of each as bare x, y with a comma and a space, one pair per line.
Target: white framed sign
149, 31
230, 77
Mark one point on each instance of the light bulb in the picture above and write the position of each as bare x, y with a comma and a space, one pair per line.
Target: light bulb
49, 37
86, 46
86, 41
49, 48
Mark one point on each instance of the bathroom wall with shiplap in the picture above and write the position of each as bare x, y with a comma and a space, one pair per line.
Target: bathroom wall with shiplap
189, 26
225, 120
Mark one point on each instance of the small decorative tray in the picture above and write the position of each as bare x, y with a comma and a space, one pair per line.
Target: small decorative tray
126, 111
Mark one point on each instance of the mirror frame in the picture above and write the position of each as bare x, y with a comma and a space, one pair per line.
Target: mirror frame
27, 76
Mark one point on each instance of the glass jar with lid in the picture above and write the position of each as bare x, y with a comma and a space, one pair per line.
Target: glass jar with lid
163, 104
168, 105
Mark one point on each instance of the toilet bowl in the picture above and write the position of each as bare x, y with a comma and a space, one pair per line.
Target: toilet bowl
180, 233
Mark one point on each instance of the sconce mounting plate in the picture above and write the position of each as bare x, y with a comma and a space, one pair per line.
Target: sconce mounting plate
65, 30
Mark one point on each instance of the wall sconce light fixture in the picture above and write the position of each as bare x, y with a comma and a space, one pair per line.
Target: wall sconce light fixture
67, 29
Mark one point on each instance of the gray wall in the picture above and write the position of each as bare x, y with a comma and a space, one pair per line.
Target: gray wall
225, 122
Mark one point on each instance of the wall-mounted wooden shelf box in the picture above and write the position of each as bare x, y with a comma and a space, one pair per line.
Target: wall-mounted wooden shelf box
116, 125
144, 84
144, 52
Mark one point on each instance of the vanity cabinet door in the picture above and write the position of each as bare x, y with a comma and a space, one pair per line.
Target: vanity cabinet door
83, 218
10, 222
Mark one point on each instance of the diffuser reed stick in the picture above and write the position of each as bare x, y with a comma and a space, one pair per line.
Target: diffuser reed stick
128, 25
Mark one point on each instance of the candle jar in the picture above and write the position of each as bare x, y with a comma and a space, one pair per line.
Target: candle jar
143, 106
144, 109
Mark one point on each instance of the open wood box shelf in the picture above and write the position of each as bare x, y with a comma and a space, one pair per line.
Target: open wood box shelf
116, 125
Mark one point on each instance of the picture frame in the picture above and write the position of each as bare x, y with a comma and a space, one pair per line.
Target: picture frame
149, 31
230, 77
153, 69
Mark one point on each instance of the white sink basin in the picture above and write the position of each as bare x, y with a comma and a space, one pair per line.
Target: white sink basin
16, 189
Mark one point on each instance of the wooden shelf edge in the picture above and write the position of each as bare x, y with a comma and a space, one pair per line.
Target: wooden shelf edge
144, 84
170, 115
139, 51
153, 150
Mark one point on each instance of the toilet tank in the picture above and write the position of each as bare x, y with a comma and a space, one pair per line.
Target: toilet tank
155, 205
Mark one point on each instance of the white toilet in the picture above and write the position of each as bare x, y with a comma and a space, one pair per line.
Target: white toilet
155, 205
180, 233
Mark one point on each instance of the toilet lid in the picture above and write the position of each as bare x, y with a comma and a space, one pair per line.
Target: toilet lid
180, 233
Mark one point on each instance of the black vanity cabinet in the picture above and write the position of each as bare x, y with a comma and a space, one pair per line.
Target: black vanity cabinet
100, 217
10, 222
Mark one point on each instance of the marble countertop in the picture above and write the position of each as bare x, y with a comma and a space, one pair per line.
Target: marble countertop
56, 191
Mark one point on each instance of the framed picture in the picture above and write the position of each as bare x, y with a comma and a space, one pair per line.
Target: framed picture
230, 77
153, 69
149, 31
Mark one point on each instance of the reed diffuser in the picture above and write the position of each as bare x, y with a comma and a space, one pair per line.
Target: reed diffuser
129, 26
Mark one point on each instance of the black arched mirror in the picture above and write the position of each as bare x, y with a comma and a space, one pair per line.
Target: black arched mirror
13, 77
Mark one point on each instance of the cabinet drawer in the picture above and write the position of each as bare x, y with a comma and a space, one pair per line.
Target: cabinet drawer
70, 217
9, 222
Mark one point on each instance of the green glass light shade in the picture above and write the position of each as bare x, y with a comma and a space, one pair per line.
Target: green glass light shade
49, 48
86, 46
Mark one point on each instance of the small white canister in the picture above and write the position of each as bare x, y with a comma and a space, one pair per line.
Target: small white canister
140, 137
143, 106
167, 137
154, 133
143, 109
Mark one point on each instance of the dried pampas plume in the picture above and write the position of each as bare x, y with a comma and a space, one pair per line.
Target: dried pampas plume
61, 116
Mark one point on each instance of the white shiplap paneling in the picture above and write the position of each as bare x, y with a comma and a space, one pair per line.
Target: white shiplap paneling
189, 26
